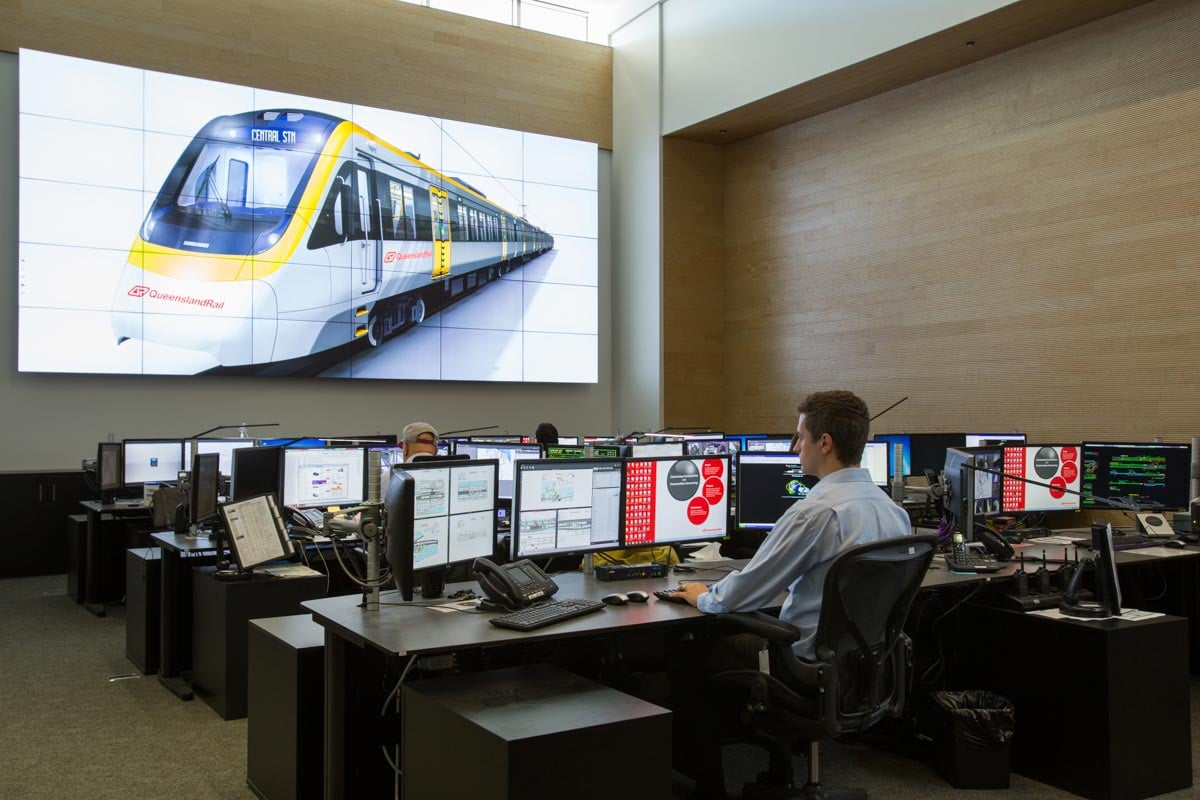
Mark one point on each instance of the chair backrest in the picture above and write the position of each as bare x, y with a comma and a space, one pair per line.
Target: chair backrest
868, 591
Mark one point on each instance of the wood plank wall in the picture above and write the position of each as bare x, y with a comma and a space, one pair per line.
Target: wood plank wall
380, 53
1013, 245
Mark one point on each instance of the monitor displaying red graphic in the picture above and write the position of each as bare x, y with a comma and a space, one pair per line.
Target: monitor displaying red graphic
1056, 466
682, 499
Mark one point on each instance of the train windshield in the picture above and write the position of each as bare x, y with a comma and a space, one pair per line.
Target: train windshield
228, 197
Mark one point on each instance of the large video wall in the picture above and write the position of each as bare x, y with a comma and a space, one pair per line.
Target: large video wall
172, 225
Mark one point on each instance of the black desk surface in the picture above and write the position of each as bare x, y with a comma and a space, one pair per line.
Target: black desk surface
183, 544
115, 508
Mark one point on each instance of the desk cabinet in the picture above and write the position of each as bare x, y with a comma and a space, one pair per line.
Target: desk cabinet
1102, 707
34, 536
221, 611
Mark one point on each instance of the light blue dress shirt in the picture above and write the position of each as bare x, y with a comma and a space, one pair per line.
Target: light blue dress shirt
845, 509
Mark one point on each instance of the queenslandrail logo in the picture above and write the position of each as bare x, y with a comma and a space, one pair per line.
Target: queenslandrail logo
392, 255
154, 294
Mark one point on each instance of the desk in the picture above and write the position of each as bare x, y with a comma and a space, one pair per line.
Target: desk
92, 599
170, 618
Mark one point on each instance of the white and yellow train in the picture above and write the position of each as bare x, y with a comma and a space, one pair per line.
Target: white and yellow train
281, 234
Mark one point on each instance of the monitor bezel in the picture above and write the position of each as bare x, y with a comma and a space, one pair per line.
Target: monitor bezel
362, 492
170, 477
1186, 447
1077, 491
772, 454
631, 460
566, 463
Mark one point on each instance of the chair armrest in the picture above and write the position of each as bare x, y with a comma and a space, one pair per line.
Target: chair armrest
773, 630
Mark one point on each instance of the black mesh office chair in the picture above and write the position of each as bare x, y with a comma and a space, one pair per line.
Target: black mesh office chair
860, 673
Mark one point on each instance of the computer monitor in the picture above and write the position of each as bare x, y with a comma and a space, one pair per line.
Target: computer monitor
109, 476
975, 487
606, 450
224, 448
566, 507
769, 444
151, 460
205, 480
875, 461
256, 471
993, 439
768, 485
504, 439
559, 451
680, 499
1148, 475
506, 453
922, 451
1053, 464
292, 441
319, 477
569, 440
651, 449
438, 513
706, 447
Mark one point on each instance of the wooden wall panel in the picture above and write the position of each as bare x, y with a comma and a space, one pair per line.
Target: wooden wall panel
1013, 245
380, 53
693, 285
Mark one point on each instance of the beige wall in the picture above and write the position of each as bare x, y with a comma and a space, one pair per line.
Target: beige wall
1013, 245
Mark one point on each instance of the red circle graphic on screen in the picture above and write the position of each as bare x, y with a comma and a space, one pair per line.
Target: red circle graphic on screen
697, 511
712, 468
1070, 471
1069, 454
1057, 485
714, 491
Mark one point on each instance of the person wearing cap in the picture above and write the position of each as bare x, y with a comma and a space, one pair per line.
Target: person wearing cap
419, 439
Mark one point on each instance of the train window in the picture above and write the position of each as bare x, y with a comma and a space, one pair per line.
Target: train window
409, 213
424, 229
396, 207
235, 191
338, 220
473, 220
458, 221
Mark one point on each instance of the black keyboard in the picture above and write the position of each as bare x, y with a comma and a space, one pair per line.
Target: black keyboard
534, 617
1127, 541
972, 564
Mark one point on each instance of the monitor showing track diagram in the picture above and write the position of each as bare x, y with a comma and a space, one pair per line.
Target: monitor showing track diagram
568, 506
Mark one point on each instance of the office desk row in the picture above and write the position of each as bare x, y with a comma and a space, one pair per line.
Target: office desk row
366, 651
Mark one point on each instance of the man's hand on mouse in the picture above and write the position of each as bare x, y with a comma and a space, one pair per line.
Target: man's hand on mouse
691, 591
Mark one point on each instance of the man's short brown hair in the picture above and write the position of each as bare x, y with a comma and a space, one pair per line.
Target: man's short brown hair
841, 414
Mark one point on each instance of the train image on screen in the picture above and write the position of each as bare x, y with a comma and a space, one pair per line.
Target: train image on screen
285, 233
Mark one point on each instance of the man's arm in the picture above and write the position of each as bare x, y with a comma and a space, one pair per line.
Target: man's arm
691, 591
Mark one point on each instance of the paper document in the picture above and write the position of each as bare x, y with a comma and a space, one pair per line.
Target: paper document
289, 571
1131, 614
255, 530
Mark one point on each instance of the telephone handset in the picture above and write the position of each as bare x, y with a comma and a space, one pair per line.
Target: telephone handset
514, 585
999, 548
311, 518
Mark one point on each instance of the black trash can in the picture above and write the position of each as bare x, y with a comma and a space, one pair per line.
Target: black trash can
973, 731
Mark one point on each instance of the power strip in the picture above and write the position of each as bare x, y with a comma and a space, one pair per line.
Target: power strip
623, 572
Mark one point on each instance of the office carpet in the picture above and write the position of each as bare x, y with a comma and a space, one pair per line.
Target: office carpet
66, 730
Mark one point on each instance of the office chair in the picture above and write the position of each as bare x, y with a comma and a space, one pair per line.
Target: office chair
860, 673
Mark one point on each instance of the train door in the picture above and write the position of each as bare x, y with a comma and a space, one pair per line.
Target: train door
368, 256
439, 206
503, 238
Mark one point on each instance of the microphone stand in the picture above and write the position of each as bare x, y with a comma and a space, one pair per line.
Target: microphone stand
468, 430
889, 408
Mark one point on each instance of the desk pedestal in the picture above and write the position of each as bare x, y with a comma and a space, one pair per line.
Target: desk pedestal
1102, 708
528, 732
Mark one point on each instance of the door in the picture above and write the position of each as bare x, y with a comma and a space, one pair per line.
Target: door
368, 263
439, 205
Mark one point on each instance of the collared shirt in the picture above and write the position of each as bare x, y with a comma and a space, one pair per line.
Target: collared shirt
845, 509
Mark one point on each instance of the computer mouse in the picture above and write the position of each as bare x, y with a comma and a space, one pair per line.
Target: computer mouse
1175, 543
637, 596
615, 599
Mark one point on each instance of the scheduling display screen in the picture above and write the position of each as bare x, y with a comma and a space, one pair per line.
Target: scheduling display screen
320, 477
1147, 475
1053, 464
507, 453
676, 499
768, 485
566, 507
454, 512
875, 461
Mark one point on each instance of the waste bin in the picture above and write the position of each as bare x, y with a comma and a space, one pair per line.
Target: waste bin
971, 742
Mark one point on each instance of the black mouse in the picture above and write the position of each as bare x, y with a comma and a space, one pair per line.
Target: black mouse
1178, 545
615, 599
637, 596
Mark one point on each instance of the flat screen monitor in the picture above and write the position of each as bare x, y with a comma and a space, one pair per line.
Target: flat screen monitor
993, 439
768, 485
1147, 475
439, 513
651, 449
506, 439
255, 472
151, 460
680, 499
769, 444
564, 507
320, 477
973, 476
224, 448
922, 451
292, 441
1055, 465
109, 475
606, 450
506, 453
875, 461
707, 447
205, 480
559, 451
569, 440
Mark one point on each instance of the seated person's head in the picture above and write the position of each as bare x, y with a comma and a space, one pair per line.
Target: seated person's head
419, 438
546, 433
831, 432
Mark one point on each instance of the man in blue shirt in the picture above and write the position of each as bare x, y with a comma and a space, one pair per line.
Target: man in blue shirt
844, 509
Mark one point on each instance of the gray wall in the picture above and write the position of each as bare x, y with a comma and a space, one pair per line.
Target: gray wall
54, 421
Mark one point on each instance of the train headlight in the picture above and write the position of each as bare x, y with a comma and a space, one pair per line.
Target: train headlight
148, 228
